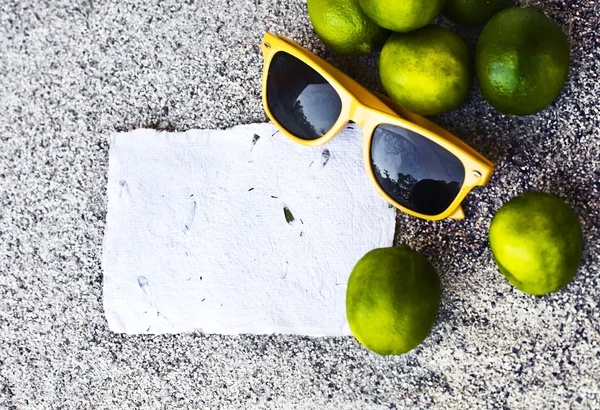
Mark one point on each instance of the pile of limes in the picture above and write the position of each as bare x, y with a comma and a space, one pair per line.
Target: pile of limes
521, 64
521, 60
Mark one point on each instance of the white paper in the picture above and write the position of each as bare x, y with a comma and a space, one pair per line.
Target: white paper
197, 238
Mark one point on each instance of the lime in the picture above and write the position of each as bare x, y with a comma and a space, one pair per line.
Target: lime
392, 299
474, 12
536, 241
426, 71
522, 61
402, 16
344, 28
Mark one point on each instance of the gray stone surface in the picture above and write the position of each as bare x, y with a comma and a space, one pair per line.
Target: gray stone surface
72, 72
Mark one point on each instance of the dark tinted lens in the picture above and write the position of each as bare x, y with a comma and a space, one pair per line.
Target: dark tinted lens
300, 99
418, 173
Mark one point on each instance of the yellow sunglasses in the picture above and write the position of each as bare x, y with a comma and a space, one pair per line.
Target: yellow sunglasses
416, 165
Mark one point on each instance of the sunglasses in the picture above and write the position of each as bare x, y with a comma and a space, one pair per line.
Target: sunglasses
416, 165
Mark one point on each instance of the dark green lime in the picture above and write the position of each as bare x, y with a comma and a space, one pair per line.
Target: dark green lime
522, 61
474, 12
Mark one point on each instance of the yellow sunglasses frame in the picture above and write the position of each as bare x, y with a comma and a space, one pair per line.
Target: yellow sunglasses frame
369, 109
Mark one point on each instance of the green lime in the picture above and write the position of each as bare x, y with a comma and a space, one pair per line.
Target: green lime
522, 61
344, 28
392, 299
427, 71
474, 12
536, 241
402, 16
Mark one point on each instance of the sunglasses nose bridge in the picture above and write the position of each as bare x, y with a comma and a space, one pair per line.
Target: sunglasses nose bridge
358, 113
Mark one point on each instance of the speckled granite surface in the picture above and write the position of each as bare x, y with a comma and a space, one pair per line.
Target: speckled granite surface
72, 72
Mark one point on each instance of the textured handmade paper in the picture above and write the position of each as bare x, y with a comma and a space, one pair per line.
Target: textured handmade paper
236, 231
